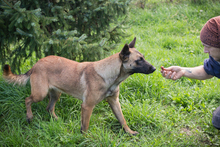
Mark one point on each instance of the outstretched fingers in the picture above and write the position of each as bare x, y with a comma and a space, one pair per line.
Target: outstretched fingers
172, 72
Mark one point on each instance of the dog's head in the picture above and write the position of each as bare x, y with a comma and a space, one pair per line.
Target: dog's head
133, 61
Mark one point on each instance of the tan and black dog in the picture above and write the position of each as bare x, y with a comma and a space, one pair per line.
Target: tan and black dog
90, 82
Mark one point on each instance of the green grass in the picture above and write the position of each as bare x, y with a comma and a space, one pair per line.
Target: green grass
164, 112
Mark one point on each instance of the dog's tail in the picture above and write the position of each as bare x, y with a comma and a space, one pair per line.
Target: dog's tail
16, 79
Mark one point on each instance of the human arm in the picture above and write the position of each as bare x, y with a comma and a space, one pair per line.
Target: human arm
176, 72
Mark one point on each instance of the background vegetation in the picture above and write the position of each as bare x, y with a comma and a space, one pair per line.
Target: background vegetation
76, 29
164, 112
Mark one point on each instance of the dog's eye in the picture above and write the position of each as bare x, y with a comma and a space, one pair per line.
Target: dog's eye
139, 61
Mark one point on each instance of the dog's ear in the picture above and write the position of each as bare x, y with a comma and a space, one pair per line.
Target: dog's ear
132, 44
124, 54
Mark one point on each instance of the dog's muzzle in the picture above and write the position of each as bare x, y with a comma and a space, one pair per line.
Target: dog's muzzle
152, 69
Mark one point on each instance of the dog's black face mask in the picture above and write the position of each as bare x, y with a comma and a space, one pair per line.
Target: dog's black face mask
133, 61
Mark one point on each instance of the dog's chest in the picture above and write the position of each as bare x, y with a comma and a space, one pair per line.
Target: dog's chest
114, 88
111, 92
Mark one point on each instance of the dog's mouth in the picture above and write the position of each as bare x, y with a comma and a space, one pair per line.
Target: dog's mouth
143, 70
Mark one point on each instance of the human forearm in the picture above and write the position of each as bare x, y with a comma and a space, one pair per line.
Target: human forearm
196, 73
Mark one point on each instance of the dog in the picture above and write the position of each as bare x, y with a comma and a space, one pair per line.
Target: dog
90, 82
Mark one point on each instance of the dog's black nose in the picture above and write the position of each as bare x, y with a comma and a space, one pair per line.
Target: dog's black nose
152, 69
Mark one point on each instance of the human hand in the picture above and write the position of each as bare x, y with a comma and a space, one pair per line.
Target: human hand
173, 72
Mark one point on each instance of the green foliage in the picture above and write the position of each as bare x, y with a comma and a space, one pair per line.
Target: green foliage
164, 112
78, 30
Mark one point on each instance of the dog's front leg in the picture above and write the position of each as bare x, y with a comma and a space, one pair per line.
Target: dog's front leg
116, 108
86, 112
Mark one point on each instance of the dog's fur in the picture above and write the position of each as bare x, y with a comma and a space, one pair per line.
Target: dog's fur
90, 82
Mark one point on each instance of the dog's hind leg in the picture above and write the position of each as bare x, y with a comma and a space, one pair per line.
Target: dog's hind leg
28, 102
39, 90
54, 97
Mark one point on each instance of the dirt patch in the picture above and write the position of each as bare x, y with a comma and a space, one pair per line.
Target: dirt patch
186, 131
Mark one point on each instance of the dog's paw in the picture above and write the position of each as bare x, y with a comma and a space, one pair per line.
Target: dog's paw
28, 121
134, 133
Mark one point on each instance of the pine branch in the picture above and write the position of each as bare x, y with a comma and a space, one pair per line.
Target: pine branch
10, 5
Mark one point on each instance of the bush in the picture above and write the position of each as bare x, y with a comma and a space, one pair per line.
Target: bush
76, 29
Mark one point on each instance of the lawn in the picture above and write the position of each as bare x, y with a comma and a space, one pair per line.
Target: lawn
164, 112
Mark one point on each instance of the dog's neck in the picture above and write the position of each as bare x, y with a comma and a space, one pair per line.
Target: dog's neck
110, 69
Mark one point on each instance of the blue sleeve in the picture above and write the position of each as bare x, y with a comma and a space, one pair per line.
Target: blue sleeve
208, 67
212, 67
